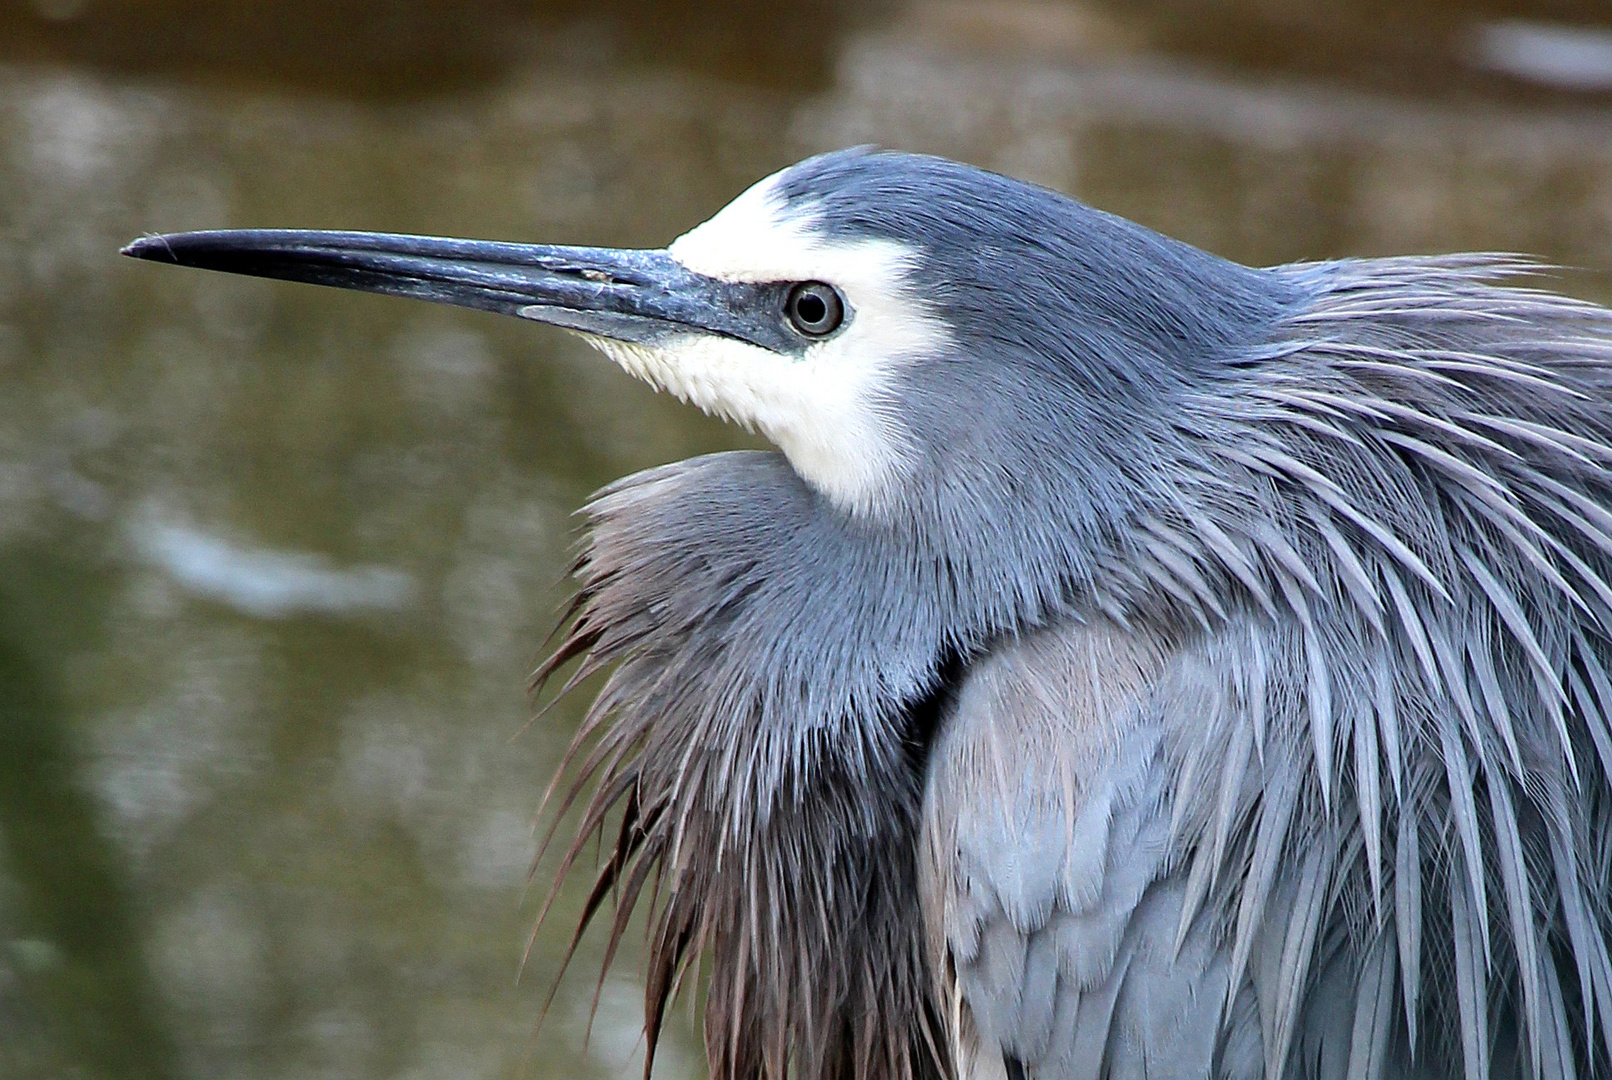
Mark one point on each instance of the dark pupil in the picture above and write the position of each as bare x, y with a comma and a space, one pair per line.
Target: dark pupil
810, 308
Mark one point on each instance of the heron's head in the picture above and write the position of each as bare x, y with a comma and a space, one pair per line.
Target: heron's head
880, 317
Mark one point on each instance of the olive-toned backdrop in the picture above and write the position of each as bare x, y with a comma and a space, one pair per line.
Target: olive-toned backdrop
275, 562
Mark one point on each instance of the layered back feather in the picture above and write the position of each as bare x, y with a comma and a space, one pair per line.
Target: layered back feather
1383, 520
1421, 458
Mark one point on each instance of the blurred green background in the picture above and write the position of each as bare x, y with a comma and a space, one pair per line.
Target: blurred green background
275, 562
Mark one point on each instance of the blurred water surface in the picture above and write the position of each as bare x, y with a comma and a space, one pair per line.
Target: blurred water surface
275, 562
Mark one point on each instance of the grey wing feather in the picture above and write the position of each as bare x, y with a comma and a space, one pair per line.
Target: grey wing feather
1048, 898
1376, 723
1066, 906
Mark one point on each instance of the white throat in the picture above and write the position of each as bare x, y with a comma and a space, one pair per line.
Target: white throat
831, 408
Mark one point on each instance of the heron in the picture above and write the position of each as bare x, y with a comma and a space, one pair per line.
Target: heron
1128, 663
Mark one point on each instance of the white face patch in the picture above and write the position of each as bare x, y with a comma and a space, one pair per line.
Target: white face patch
827, 409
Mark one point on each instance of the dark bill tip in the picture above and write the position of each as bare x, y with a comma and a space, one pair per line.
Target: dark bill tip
159, 248
144, 248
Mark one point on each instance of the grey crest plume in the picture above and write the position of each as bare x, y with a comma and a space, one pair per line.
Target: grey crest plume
1371, 498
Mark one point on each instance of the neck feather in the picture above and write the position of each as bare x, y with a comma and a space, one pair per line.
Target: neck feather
1396, 474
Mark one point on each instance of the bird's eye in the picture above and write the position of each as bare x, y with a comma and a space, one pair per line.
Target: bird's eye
814, 308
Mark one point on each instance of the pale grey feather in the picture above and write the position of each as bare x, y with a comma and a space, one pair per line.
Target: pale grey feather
1356, 517
1488, 687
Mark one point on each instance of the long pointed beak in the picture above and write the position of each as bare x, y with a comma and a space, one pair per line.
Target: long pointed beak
627, 295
